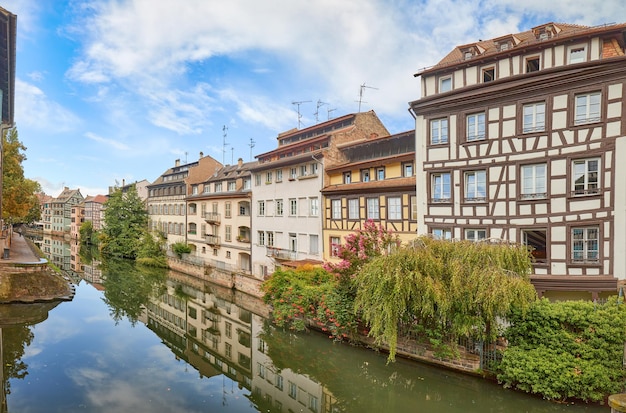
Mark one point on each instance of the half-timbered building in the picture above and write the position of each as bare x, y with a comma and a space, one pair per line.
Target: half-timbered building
373, 180
522, 138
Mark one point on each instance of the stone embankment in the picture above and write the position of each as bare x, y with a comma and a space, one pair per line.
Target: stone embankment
25, 277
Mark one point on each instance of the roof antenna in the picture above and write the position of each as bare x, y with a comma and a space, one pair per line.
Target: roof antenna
329, 111
298, 105
224, 144
317, 111
251, 145
361, 94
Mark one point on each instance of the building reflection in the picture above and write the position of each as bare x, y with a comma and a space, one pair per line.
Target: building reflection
219, 334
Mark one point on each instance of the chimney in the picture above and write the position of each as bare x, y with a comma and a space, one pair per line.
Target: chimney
239, 162
123, 182
177, 162
201, 154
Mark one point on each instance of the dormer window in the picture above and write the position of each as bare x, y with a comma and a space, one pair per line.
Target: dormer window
504, 46
470, 51
546, 31
468, 55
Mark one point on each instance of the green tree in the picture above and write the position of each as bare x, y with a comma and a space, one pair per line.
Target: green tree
152, 251
444, 290
86, 232
125, 224
19, 194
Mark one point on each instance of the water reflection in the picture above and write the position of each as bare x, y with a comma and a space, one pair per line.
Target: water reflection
208, 348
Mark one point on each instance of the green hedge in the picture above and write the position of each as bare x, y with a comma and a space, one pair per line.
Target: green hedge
566, 350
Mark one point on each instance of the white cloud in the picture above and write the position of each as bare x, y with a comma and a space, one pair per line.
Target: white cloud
34, 109
108, 142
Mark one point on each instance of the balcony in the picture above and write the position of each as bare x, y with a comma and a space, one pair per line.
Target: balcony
212, 240
212, 218
280, 254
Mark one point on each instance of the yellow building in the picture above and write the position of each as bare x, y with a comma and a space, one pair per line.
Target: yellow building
372, 179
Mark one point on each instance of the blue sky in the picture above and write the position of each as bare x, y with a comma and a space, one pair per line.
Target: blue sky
112, 90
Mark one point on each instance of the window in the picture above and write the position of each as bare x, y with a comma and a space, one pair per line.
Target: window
489, 74
232, 186
441, 233
439, 131
394, 208
314, 168
587, 108
475, 234
445, 84
407, 169
279, 382
293, 207
293, 390
246, 183
373, 211
279, 175
475, 186
534, 117
380, 174
268, 177
441, 187
228, 210
228, 254
335, 207
313, 403
586, 176
335, 242
293, 243
228, 233
536, 240
257, 179
314, 204
303, 170
585, 244
279, 207
270, 239
532, 64
314, 244
292, 174
218, 187
192, 229
353, 208
577, 54
365, 175
261, 235
413, 201
534, 181
347, 177
261, 208
194, 190
475, 127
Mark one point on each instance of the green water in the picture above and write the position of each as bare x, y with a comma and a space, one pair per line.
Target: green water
142, 341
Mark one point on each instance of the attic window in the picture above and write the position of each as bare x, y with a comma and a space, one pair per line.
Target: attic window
503, 46
489, 74
468, 55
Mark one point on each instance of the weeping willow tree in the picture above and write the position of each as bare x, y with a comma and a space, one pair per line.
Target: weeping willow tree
445, 288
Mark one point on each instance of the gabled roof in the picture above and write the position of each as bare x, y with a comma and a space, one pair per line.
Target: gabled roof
533, 38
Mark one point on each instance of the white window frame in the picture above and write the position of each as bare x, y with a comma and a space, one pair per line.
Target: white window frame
534, 181
335, 242
577, 54
587, 107
445, 84
440, 189
586, 176
534, 117
473, 181
293, 207
441, 233
261, 205
279, 175
585, 244
394, 208
261, 240
439, 131
354, 208
335, 208
373, 208
475, 234
475, 127
314, 206
279, 207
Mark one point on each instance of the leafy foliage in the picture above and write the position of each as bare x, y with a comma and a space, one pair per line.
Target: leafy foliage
152, 251
181, 248
125, 224
444, 288
87, 234
19, 199
565, 350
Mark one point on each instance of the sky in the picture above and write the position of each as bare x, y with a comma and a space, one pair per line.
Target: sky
115, 91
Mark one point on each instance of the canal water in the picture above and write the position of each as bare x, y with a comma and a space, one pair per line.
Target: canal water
137, 340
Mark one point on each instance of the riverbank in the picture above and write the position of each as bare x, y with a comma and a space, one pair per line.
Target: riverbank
25, 277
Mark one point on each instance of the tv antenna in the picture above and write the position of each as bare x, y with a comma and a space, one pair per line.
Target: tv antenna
251, 145
298, 105
363, 86
224, 144
317, 111
232, 155
329, 111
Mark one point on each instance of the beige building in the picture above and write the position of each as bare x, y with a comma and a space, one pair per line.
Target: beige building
219, 221
167, 195
522, 138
